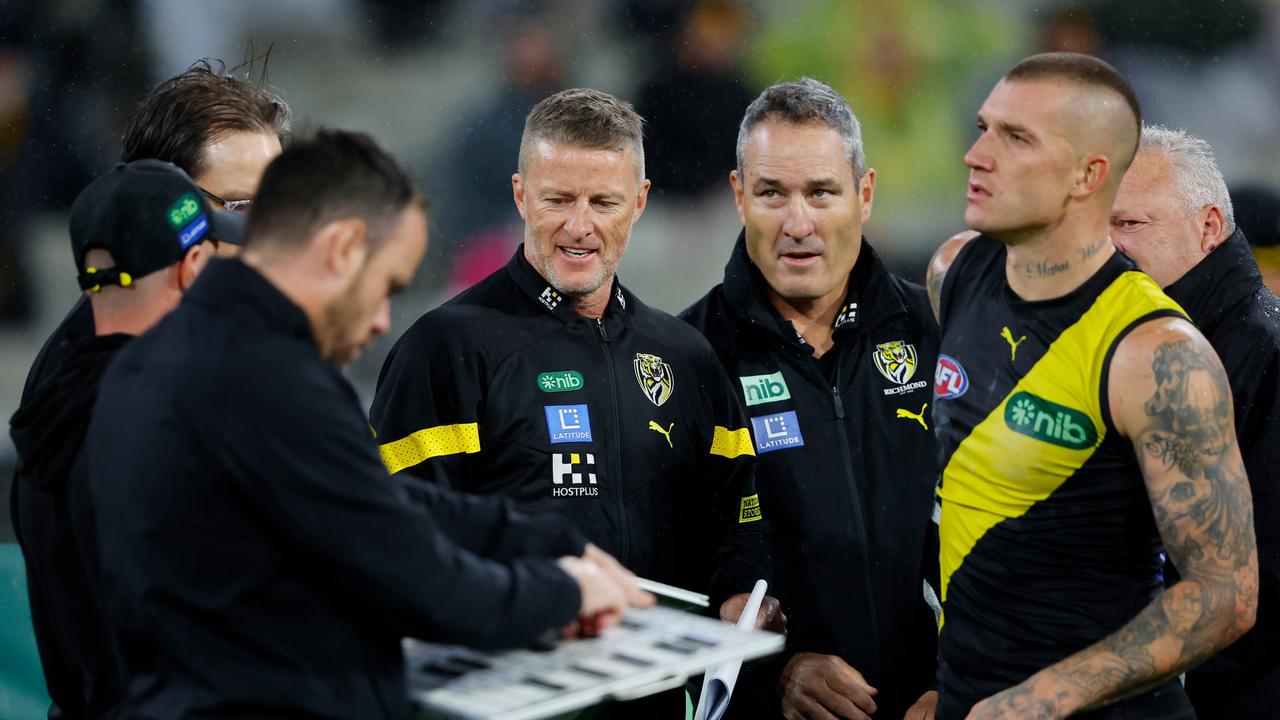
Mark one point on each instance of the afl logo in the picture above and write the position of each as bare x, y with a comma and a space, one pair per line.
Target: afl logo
949, 379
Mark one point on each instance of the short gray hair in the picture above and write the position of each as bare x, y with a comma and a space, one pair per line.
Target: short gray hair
803, 101
1196, 177
584, 118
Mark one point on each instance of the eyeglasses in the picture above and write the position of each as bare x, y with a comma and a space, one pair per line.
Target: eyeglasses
228, 205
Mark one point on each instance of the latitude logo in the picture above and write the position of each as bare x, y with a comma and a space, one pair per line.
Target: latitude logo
568, 423
1047, 421
776, 432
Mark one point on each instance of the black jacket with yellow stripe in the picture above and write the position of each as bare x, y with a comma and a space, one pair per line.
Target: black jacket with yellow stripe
626, 425
846, 467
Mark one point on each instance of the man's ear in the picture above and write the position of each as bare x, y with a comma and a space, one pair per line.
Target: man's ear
735, 182
1212, 229
1091, 176
867, 189
642, 199
194, 262
517, 193
344, 246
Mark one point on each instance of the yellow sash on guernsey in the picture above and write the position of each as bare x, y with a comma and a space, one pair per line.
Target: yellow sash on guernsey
997, 473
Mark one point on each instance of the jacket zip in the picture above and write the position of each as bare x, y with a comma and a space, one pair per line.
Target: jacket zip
615, 453
807, 365
858, 514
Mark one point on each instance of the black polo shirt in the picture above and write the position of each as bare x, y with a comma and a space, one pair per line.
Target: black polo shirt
257, 560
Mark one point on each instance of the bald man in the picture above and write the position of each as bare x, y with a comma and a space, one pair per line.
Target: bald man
1083, 424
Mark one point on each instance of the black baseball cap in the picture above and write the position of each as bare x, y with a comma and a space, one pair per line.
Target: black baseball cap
147, 214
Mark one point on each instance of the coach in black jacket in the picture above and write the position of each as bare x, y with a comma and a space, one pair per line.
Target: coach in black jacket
834, 357
1189, 244
256, 558
551, 383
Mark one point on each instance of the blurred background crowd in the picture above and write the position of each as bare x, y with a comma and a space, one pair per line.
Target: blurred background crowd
445, 84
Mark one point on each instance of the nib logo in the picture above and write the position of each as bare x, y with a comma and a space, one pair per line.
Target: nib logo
757, 389
1049, 422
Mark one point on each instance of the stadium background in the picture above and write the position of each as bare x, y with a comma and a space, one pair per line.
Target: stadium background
445, 85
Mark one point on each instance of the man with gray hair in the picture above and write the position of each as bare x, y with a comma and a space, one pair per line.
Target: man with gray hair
1173, 216
833, 355
551, 383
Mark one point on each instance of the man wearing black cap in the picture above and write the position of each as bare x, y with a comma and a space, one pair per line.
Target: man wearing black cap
140, 234
220, 130
257, 559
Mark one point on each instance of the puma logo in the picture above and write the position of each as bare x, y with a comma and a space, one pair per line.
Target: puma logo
918, 417
1013, 344
654, 426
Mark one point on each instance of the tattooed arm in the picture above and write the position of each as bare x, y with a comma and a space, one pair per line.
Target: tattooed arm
1169, 395
938, 266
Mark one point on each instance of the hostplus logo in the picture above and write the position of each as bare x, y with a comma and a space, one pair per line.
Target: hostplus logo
757, 389
848, 314
550, 298
1035, 417
573, 475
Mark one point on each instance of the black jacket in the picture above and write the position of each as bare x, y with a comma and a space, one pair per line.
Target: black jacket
1225, 297
851, 502
626, 425
256, 558
48, 432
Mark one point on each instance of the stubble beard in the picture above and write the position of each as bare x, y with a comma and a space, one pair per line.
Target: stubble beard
553, 278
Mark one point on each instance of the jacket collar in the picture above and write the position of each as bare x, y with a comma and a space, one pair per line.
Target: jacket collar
552, 301
1224, 278
870, 300
227, 284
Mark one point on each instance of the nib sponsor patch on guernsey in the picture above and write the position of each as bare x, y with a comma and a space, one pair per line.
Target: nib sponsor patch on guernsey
776, 432
1050, 422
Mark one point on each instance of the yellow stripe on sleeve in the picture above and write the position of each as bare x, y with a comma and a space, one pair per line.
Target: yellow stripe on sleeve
428, 443
732, 443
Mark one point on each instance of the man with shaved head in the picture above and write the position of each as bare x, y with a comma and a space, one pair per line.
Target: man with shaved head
1083, 424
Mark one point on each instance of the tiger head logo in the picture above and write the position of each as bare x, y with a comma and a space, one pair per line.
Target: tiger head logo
655, 378
896, 360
